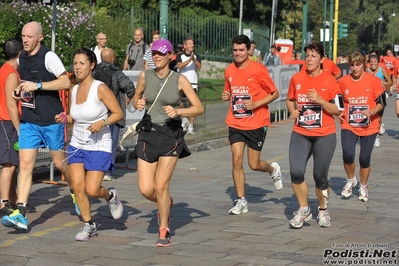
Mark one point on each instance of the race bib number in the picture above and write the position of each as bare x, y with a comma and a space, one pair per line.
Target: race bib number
27, 99
238, 106
310, 116
356, 116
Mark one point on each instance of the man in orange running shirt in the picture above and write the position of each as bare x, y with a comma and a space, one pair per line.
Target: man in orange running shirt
249, 89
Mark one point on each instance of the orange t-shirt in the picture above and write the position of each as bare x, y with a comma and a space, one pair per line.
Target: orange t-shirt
252, 82
359, 96
328, 66
314, 120
390, 63
5, 71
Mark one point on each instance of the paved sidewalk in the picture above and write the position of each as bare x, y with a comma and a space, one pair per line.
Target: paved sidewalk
203, 232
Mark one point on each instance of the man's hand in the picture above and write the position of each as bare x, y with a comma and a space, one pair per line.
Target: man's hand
28, 86
226, 96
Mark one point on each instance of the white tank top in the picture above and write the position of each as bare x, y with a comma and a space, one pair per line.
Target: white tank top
92, 110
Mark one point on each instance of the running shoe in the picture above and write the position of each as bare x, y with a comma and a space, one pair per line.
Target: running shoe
164, 239
300, 217
30, 209
159, 217
363, 194
8, 209
347, 189
382, 129
323, 219
377, 142
86, 232
277, 176
184, 124
76, 205
190, 130
240, 206
15, 220
108, 178
115, 206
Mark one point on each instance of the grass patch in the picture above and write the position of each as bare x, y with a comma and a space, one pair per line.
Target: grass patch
210, 89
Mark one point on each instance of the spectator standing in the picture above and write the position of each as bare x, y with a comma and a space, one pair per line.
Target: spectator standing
9, 126
43, 75
189, 63
148, 63
123, 89
135, 52
101, 39
177, 50
249, 89
89, 152
272, 58
257, 55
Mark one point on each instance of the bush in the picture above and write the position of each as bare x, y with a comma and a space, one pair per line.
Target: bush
74, 26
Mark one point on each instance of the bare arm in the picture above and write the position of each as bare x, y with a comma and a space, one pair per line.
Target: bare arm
60, 83
181, 65
331, 108
291, 107
197, 64
196, 107
12, 105
138, 102
126, 63
108, 98
388, 82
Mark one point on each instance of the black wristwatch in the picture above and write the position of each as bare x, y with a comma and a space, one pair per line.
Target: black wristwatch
39, 85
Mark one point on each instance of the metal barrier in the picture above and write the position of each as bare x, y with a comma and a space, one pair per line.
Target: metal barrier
211, 124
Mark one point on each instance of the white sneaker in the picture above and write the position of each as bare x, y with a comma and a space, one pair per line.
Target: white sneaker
115, 206
241, 206
86, 232
300, 217
382, 129
184, 123
190, 130
108, 178
323, 219
377, 142
363, 194
347, 189
277, 176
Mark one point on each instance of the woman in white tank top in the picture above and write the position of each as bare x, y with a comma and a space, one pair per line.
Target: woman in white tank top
89, 153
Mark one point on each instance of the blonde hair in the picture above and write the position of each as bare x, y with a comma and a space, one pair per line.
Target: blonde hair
358, 56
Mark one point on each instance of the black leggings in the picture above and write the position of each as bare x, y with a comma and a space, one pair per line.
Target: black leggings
301, 148
348, 143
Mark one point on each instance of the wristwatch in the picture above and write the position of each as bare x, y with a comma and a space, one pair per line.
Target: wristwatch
39, 85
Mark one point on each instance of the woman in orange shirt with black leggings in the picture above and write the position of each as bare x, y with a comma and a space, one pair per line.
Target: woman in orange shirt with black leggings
310, 101
363, 100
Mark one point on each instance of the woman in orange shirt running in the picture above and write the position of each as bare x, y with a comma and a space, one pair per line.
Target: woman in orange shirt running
363, 99
310, 101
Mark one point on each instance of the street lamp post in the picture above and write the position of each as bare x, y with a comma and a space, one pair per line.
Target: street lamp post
304, 25
379, 30
393, 29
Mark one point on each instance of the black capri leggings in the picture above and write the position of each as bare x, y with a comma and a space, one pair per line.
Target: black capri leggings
301, 148
348, 143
